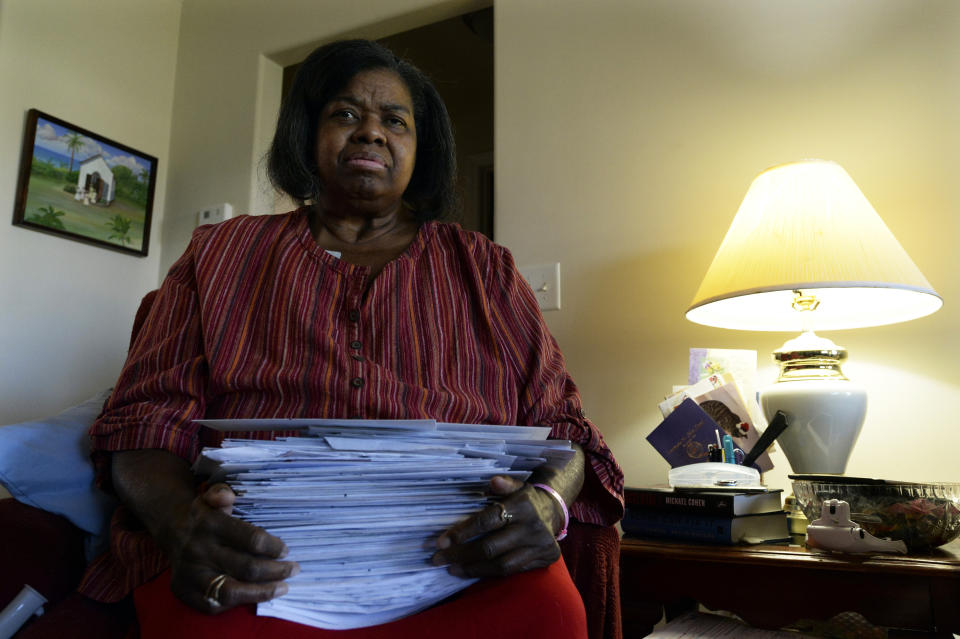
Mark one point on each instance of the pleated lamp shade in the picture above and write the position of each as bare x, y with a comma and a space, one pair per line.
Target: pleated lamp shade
806, 227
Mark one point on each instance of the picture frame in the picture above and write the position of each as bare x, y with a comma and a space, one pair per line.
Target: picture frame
82, 186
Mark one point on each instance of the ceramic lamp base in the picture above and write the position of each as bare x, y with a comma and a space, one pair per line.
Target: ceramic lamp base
825, 417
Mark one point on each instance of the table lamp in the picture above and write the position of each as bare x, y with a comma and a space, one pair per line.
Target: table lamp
807, 252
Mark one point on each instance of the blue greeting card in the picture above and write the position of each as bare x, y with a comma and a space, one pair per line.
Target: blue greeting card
683, 436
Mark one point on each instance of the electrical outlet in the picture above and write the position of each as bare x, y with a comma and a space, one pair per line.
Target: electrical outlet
214, 214
544, 279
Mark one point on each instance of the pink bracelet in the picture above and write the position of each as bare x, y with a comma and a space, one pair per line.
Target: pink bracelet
563, 507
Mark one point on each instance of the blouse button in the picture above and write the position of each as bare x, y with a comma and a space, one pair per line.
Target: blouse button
359, 358
356, 382
354, 315
355, 344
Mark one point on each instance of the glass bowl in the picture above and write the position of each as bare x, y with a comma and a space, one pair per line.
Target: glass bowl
920, 515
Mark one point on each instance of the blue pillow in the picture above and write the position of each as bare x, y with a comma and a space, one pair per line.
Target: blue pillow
46, 464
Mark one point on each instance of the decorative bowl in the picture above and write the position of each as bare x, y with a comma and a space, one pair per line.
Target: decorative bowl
920, 515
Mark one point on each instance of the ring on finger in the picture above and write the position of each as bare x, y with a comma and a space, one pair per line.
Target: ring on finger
505, 517
213, 590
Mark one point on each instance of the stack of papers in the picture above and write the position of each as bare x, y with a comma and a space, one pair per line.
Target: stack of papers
696, 625
360, 504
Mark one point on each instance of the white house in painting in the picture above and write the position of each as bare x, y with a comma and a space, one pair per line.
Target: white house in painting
95, 185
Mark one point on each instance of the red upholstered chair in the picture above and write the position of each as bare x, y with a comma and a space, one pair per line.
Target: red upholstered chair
40, 549
46, 551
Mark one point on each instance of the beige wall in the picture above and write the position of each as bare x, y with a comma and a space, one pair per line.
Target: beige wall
65, 307
628, 133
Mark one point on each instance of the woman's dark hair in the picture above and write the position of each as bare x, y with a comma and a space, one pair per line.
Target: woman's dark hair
292, 164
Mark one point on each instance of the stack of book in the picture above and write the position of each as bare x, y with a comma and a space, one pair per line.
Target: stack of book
704, 515
360, 504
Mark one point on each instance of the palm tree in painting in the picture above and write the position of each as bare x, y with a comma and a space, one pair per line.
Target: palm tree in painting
50, 217
120, 229
74, 142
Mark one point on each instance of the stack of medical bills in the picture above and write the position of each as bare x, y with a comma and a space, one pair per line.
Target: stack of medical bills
360, 504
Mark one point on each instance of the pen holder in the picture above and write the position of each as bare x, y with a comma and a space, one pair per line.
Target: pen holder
28, 602
714, 475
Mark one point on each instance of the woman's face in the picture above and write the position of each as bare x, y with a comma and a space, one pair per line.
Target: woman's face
367, 141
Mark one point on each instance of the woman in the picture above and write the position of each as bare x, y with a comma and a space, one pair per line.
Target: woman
358, 304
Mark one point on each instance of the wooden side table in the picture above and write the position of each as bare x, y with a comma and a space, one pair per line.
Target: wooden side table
774, 586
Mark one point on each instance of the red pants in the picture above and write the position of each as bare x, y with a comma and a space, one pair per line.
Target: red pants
538, 604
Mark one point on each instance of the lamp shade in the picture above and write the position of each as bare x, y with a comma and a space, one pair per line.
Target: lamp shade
806, 227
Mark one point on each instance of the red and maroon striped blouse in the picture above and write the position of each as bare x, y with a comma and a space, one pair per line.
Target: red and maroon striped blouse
256, 320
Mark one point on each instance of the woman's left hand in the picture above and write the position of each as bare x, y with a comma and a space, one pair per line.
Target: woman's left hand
514, 535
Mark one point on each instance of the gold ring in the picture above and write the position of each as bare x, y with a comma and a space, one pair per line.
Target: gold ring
213, 590
505, 517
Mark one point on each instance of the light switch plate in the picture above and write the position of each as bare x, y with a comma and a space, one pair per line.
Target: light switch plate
214, 214
544, 279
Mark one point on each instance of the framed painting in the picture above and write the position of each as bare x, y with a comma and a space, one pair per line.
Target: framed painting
82, 186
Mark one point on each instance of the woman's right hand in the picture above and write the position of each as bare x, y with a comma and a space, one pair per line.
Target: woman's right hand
199, 535
210, 542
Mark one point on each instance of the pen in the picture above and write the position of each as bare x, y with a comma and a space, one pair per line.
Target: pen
728, 449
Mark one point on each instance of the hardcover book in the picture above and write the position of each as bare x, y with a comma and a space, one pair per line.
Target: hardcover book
682, 526
719, 503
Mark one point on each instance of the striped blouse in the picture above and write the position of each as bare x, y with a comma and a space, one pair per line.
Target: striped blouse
256, 320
